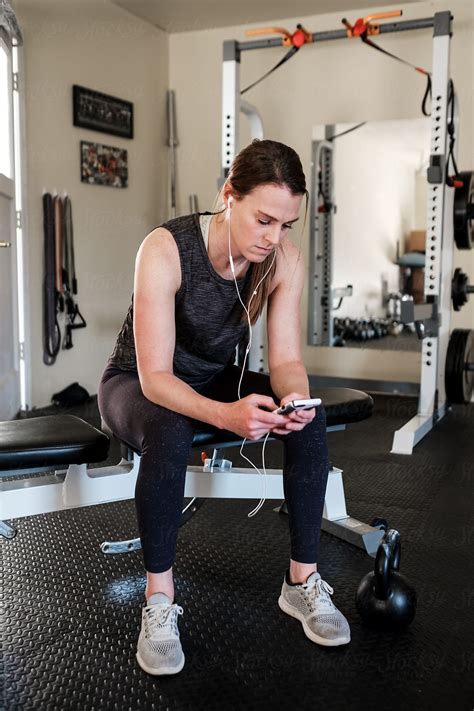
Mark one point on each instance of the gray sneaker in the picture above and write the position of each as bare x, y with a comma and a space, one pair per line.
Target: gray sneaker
311, 603
159, 649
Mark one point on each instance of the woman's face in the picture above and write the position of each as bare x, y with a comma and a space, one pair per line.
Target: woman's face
261, 219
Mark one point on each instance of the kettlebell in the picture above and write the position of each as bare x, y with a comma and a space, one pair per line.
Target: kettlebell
384, 598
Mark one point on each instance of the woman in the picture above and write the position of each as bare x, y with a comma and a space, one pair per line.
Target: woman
172, 368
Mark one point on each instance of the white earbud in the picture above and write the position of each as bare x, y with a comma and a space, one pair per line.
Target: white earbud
229, 202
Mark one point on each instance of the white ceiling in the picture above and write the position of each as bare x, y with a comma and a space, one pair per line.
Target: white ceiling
184, 15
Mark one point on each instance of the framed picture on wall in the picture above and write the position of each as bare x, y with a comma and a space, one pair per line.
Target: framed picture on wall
104, 165
101, 112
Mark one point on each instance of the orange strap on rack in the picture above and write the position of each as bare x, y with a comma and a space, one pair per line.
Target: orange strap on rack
299, 37
269, 31
364, 27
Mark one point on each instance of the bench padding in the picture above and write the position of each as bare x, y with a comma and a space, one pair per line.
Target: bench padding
343, 406
51, 440
65, 439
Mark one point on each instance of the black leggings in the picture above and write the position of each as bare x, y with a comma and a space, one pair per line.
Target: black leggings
164, 438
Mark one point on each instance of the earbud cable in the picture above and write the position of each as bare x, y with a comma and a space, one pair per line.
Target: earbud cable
246, 309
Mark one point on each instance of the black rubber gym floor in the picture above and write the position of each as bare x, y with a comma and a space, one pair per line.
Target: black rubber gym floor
71, 615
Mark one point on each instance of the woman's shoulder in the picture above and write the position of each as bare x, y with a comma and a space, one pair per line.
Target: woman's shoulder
158, 254
174, 234
289, 264
158, 241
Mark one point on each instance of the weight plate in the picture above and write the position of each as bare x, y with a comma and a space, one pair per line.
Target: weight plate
459, 289
462, 217
459, 382
450, 380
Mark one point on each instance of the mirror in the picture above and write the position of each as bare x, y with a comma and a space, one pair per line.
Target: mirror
369, 193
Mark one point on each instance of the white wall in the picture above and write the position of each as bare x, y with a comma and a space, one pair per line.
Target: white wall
333, 82
100, 46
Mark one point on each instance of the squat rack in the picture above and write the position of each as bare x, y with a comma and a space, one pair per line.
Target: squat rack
433, 317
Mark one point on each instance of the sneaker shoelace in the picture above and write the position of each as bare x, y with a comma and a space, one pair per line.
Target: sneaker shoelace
162, 619
318, 594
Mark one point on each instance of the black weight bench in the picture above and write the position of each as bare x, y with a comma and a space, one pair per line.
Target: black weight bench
64, 446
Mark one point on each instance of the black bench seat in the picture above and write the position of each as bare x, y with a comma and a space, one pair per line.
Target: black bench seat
52, 440
60, 440
343, 406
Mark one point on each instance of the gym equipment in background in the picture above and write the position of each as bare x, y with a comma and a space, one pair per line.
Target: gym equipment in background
172, 143
59, 277
51, 330
351, 329
459, 372
460, 289
434, 325
193, 203
459, 369
463, 210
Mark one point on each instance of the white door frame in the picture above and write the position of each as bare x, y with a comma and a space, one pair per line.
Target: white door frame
21, 297
19, 131
10, 387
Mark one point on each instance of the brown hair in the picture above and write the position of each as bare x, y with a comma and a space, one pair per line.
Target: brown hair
259, 163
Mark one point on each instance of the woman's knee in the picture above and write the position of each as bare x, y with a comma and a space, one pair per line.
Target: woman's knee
314, 430
165, 447
167, 432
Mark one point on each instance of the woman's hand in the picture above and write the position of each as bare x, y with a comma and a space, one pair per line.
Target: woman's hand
246, 417
295, 420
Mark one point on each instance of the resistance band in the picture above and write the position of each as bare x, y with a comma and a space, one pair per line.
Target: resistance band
51, 332
70, 280
287, 56
59, 282
425, 73
295, 41
453, 181
58, 242
364, 27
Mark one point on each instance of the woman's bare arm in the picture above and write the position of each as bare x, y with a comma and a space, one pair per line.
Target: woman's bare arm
157, 280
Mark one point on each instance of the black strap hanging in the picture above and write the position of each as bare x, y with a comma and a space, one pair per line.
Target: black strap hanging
69, 259
425, 73
51, 331
293, 40
451, 180
349, 130
291, 52
73, 312
69, 278
58, 249
364, 27
59, 281
324, 205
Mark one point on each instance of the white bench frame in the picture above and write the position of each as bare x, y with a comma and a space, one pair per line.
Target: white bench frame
82, 485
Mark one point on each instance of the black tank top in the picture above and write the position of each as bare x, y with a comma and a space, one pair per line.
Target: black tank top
208, 313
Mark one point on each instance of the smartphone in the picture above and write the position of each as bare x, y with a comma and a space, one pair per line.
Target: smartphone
295, 405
